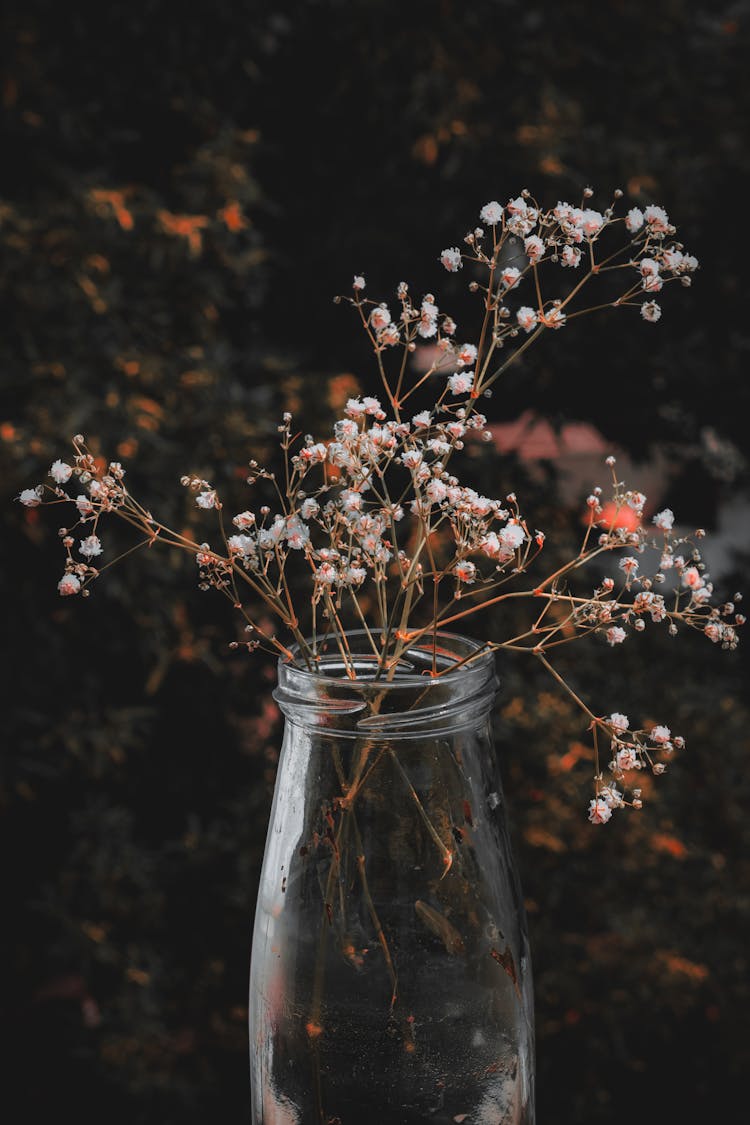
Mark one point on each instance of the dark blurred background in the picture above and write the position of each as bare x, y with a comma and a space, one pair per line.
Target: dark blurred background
183, 191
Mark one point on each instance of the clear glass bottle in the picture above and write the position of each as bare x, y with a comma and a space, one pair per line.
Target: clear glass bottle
390, 975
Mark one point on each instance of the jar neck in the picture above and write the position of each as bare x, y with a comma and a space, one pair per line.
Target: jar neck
436, 688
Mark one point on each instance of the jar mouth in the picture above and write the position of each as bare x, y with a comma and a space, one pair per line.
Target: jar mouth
412, 704
450, 655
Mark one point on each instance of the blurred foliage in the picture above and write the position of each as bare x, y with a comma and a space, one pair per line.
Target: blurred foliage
182, 194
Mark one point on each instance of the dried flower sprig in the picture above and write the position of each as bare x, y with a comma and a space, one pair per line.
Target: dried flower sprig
378, 520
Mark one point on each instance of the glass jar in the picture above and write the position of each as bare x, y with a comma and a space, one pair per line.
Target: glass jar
390, 975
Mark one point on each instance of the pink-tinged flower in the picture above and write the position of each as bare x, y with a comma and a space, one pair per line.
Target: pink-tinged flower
84, 505
634, 219
428, 317
511, 536
553, 318
652, 284
571, 256
517, 206
206, 499
689, 264
371, 405
615, 635
451, 259
534, 247
436, 491
591, 222
618, 721
31, 497
629, 565
612, 795
90, 546
380, 317
466, 354
242, 545
636, 500
390, 336
421, 420
411, 458
526, 318
449, 326
69, 584
672, 259
310, 507
563, 212
465, 572
649, 267
660, 735
60, 472
599, 811
714, 631
657, 219
626, 758
244, 520
461, 383
354, 408
509, 277
692, 578
650, 311
297, 534
359, 282
325, 574
664, 520
491, 213
666, 562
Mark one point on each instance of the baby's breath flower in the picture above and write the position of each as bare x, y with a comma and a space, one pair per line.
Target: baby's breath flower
31, 497
90, 546
599, 811
69, 584
358, 282
527, 318
634, 219
665, 521
451, 259
615, 635
60, 472
491, 213
618, 721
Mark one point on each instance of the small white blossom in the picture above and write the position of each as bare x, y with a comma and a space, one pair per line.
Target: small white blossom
615, 635
206, 499
461, 383
60, 472
380, 317
31, 497
599, 811
660, 735
571, 257
534, 247
69, 584
650, 311
527, 318
618, 721
359, 282
634, 219
510, 276
91, 546
451, 259
657, 219
491, 213
664, 520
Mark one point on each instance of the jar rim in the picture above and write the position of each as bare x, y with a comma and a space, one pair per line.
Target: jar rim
414, 666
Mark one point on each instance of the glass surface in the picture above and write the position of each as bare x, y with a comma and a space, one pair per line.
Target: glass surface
390, 974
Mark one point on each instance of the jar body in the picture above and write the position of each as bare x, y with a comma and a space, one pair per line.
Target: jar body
390, 973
